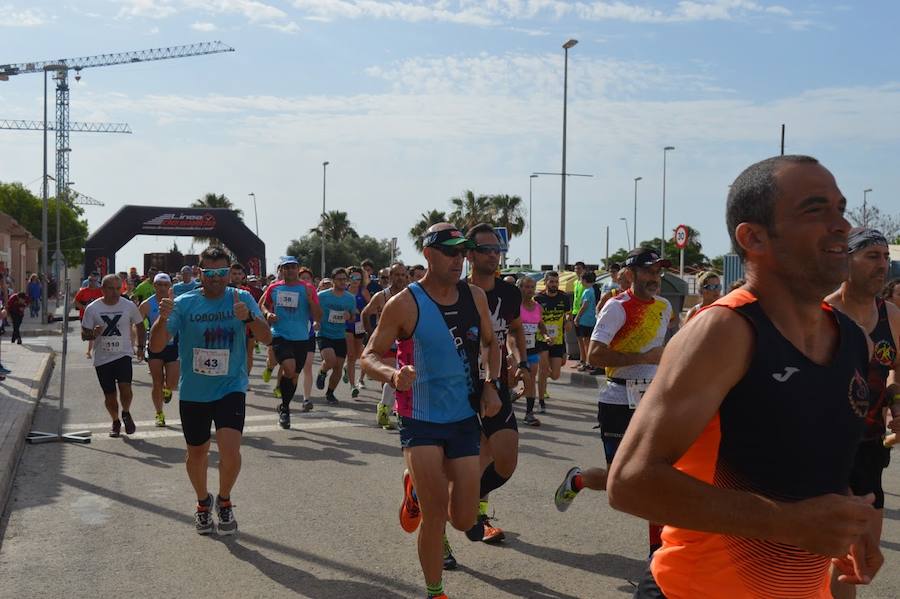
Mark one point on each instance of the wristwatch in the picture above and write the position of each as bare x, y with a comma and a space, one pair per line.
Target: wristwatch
524, 364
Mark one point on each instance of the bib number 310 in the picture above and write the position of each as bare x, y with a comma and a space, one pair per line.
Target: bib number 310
635, 392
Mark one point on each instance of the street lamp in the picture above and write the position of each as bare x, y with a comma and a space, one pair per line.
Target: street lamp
562, 219
322, 224
634, 220
255, 215
865, 212
627, 237
662, 241
531, 179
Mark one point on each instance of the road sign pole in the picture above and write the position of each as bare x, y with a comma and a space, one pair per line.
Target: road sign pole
681, 266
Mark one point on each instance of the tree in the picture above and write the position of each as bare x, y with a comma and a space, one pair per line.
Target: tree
211, 200
427, 219
339, 252
469, 210
26, 208
888, 224
336, 226
693, 256
507, 212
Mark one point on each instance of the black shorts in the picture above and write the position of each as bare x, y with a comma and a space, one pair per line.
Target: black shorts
583, 331
338, 345
504, 419
458, 439
287, 349
555, 350
116, 372
198, 416
647, 588
872, 457
614, 420
168, 354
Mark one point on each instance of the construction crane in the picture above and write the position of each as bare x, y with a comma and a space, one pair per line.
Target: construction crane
74, 126
62, 67
83, 199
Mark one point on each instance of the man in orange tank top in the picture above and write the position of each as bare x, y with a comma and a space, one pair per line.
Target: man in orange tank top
746, 454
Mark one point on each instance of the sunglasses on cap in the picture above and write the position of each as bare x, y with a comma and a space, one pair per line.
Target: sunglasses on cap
216, 272
454, 251
490, 248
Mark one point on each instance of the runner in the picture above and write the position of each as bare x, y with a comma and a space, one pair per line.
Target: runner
238, 280
623, 282
288, 307
534, 329
416, 272
891, 292
371, 276
858, 298
307, 277
586, 317
144, 289
211, 326
338, 308
556, 312
109, 321
437, 386
188, 282
271, 362
710, 286
164, 366
15, 308
577, 291
773, 512
355, 328
370, 316
85, 296
628, 340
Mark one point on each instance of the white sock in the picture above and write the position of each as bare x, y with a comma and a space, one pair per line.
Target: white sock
387, 396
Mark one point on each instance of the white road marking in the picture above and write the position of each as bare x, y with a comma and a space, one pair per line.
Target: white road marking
159, 433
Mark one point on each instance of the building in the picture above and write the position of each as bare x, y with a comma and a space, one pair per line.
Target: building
19, 250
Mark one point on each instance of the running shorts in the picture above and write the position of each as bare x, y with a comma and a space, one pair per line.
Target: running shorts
338, 345
583, 331
556, 350
168, 354
197, 416
872, 457
458, 439
613, 419
287, 349
115, 372
504, 419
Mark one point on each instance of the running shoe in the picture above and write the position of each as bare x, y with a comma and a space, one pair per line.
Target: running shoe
476, 533
546, 395
306, 406
116, 428
543, 405
4, 370
531, 420
449, 560
277, 392
267, 374
330, 398
256, 348
410, 515
362, 382
320, 380
284, 416
382, 416
203, 520
346, 377
227, 523
492, 534
565, 494
129, 423
167, 395
160, 420
354, 393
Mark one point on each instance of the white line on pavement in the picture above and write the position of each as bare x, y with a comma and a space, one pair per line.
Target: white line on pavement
316, 415
266, 428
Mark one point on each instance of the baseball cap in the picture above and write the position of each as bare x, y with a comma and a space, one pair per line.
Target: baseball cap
287, 260
447, 237
645, 257
186, 268
162, 278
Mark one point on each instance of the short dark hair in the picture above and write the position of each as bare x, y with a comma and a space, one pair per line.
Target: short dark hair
368, 263
238, 266
589, 276
481, 228
888, 290
752, 195
551, 273
338, 271
356, 269
214, 253
415, 267
580, 263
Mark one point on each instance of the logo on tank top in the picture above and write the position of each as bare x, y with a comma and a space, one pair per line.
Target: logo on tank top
782, 377
885, 353
858, 394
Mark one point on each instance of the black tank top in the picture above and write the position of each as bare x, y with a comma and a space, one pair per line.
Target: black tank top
882, 361
790, 427
464, 324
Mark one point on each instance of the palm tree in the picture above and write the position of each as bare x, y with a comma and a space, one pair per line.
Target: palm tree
335, 226
211, 200
428, 219
470, 210
507, 211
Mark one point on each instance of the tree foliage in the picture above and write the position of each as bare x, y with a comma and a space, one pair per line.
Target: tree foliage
888, 224
693, 254
336, 225
339, 252
26, 208
426, 219
212, 200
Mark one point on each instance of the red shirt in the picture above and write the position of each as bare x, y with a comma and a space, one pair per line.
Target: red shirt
85, 296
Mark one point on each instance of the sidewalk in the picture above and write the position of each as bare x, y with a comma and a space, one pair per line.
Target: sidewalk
19, 395
33, 327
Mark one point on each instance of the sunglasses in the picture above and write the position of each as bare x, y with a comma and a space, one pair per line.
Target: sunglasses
356, 278
215, 272
488, 249
450, 251
712, 287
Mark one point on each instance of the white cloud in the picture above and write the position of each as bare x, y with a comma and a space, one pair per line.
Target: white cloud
204, 27
290, 27
253, 10
150, 9
10, 17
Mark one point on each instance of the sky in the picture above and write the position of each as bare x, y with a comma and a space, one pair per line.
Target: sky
414, 102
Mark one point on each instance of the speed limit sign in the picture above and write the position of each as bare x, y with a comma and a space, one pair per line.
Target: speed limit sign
681, 236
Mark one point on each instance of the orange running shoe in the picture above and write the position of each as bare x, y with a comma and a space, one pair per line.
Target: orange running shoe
492, 534
410, 515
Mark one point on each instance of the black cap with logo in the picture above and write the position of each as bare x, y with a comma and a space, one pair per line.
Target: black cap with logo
645, 257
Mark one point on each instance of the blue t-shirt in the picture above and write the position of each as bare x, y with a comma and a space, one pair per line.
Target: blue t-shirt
333, 325
182, 288
589, 300
291, 305
212, 344
355, 326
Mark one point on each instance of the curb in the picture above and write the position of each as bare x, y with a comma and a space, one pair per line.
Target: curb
13, 446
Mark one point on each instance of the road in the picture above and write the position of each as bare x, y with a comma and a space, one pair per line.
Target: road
317, 508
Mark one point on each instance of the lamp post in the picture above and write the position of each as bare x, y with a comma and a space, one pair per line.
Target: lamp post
562, 220
255, 214
865, 211
322, 224
662, 241
634, 220
531, 179
627, 236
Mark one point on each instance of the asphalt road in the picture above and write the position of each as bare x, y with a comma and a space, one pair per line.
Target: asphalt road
317, 509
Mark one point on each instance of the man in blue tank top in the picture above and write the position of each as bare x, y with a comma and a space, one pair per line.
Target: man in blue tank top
441, 324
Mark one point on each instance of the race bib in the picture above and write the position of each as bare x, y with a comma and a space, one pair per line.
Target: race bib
211, 362
635, 390
110, 344
530, 330
552, 330
287, 299
336, 316
359, 327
